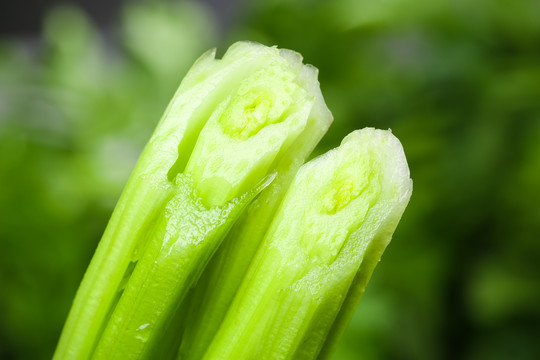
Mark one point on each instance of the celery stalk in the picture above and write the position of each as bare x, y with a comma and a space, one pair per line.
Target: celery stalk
221, 279
331, 229
228, 126
185, 236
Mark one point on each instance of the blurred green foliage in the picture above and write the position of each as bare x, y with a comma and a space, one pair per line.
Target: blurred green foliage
458, 82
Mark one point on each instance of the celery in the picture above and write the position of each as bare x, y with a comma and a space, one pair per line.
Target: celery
231, 123
319, 252
184, 237
218, 284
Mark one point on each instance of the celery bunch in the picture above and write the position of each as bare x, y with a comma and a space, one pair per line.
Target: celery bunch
217, 248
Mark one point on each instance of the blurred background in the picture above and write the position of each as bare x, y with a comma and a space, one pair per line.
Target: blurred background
83, 84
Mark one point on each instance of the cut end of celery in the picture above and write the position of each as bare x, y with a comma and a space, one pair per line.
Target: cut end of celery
252, 128
341, 191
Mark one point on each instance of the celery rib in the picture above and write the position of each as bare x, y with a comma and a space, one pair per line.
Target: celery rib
223, 275
226, 145
184, 237
334, 222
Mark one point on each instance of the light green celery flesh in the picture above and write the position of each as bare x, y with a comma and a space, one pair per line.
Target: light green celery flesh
245, 134
340, 211
220, 280
184, 237
231, 156
207, 85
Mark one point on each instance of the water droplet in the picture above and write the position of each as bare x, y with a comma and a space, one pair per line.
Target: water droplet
143, 326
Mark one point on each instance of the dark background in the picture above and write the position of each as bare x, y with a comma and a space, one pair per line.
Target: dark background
82, 86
